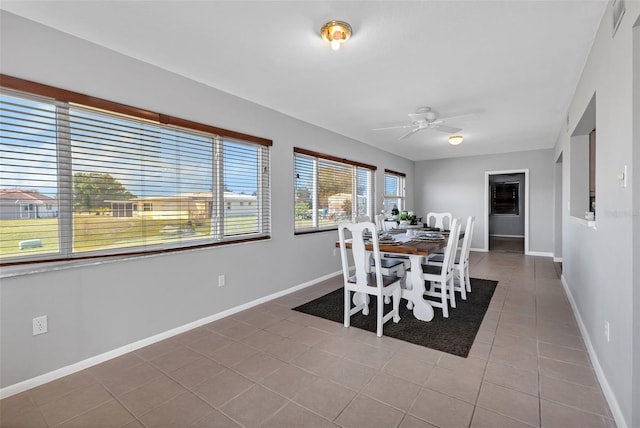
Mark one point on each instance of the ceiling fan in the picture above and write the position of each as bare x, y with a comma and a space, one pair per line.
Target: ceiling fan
424, 118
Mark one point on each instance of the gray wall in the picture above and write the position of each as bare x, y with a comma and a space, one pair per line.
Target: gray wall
579, 183
598, 262
458, 185
95, 308
557, 210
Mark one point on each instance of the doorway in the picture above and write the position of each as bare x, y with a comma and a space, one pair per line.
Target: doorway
506, 211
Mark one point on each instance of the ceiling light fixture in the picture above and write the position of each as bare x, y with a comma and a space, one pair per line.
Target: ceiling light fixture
454, 140
335, 33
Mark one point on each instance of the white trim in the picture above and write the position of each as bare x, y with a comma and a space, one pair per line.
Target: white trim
557, 259
539, 254
524, 171
97, 359
495, 235
480, 250
606, 388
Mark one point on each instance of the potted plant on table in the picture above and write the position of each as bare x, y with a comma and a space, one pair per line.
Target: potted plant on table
405, 218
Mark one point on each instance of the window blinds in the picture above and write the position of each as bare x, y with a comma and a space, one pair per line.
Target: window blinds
86, 181
328, 190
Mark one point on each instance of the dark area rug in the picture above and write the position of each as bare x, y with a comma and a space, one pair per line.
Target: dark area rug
453, 335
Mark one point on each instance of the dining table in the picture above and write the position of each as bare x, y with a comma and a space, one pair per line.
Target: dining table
407, 243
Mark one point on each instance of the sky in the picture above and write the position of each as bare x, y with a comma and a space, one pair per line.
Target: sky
149, 160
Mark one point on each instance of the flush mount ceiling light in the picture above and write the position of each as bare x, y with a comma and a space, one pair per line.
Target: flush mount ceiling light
454, 140
335, 33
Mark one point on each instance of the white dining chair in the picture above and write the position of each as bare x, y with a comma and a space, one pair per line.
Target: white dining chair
365, 283
461, 261
440, 278
437, 220
389, 266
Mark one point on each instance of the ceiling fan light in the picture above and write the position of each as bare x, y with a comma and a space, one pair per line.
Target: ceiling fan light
454, 140
335, 33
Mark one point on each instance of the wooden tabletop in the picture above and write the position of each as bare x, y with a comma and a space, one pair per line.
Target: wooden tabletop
413, 246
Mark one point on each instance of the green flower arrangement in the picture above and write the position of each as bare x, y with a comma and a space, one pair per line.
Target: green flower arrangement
404, 215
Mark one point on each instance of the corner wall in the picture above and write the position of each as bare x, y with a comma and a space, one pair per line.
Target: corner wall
598, 261
457, 185
94, 308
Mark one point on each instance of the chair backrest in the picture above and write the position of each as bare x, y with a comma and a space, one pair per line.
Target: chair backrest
360, 256
452, 246
380, 222
362, 218
466, 241
438, 220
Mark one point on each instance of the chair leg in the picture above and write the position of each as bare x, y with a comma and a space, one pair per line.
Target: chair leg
379, 315
452, 288
444, 299
467, 278
462, 279
347, 308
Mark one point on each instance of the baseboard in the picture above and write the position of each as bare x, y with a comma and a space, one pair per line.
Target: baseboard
480, 250
97, 359
538, 254
557, 259
606, 388
495, 235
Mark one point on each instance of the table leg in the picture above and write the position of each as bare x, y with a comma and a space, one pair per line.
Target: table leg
414, 291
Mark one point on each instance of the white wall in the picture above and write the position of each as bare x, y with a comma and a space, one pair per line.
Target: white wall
598, 263
457, 185
95, 308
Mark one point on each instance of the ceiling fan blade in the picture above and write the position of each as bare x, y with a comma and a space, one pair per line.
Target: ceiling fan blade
410, 133
447, 129
461, 116
392, 127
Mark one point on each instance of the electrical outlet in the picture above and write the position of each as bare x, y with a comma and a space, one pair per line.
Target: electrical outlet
622, 177
606, 330
40, 325
221, 281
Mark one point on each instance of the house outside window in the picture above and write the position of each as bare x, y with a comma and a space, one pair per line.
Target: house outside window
328, 190
169, 178
394, 196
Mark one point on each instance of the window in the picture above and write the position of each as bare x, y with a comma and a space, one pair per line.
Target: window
393, 191
329, 190
505, 198
122, 183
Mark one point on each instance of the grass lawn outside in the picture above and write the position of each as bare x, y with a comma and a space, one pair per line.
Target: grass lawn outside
92, 233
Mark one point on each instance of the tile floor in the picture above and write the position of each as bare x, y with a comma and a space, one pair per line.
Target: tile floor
506, 244
272, 367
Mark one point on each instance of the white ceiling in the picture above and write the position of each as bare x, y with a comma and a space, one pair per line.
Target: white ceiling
514, 62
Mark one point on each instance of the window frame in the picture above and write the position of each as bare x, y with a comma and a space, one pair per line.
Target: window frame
49, 94
355, 167
400, 195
